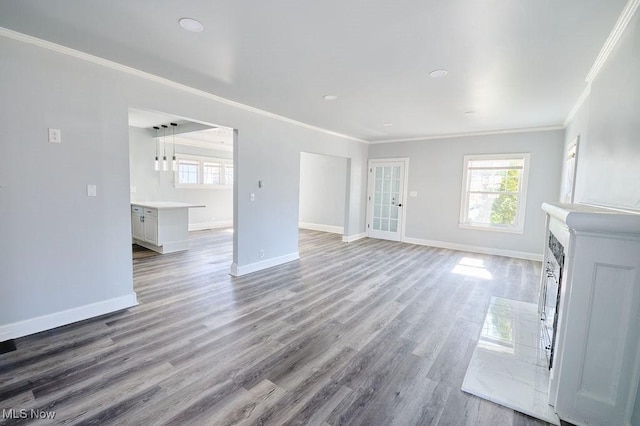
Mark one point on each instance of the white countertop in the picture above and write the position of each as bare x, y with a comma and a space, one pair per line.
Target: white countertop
165, 204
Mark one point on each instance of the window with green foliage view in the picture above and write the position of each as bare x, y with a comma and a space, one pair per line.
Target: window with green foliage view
494, 192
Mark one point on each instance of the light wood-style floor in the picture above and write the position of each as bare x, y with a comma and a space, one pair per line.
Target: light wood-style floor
370, 332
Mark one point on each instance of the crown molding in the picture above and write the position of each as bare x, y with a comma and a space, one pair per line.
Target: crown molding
464, 135
14, 35
614, 37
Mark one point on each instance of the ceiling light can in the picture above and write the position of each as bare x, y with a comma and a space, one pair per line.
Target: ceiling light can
438, 73
191, 25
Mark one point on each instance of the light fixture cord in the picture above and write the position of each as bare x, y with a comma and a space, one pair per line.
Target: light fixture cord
173, 128
164, 141
157, 128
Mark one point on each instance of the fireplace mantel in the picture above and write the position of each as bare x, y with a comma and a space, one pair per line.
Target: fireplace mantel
586, 217
596, 366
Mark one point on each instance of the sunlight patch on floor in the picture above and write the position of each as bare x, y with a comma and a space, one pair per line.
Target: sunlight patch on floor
472, 268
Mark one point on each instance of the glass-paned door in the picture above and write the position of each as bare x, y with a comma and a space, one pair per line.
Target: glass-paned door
386, 190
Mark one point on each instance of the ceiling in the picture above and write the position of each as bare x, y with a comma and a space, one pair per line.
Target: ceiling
516, 64
187, 132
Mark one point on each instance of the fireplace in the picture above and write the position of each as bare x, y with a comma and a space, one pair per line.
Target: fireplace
593, 334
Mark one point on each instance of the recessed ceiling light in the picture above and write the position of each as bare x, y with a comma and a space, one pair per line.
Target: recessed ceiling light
388, 124
438, 73
329, 97
191, 25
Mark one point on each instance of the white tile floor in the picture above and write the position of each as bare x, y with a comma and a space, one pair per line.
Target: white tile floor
509, 366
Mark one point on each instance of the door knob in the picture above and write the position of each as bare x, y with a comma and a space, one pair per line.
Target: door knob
400, 205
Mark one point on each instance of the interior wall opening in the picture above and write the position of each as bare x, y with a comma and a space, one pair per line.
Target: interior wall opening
181, 180
323, 193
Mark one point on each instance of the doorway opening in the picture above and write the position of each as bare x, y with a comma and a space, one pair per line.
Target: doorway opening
323, 193
181, 181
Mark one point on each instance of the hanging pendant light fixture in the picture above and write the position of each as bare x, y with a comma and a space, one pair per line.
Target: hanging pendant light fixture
156, 165
174, 162
164, 148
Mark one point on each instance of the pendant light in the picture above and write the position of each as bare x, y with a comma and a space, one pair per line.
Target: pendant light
164, 148
174, 162
156, 165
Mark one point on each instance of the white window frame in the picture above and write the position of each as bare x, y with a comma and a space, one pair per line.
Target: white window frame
518, 228
225, 162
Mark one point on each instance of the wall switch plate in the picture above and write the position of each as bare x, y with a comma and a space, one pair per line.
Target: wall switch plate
133, 189
92, 190
413, 194
55, 135
252, 197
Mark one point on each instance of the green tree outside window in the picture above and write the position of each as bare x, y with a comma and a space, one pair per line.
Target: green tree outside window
503, 210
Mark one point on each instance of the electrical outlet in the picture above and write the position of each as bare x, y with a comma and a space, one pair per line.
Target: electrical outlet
261, 253
91, 190
55, 136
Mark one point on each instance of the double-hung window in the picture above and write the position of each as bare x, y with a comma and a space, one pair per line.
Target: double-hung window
494, 190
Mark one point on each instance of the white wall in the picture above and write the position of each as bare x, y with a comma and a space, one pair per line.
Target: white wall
62, 250
609, 128
151, 185
322, 190
435, 172
608, 123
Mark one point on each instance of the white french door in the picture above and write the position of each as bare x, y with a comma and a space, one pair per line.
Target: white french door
385, 199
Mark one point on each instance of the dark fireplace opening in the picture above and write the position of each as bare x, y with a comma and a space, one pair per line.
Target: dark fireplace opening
551, 295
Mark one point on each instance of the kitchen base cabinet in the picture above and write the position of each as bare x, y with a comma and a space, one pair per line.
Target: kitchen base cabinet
161, 226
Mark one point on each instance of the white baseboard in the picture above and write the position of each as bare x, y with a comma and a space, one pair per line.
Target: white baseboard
352, 238
321, 228
57, 319
239, 270
475, 249
201, 226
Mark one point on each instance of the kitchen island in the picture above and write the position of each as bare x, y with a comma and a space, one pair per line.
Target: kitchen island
161, 226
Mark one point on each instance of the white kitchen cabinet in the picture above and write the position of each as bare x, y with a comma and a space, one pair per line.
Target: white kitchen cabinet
596, 367
151, 226
137, 222
161, 226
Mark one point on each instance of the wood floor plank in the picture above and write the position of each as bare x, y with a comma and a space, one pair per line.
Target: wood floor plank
371, 332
